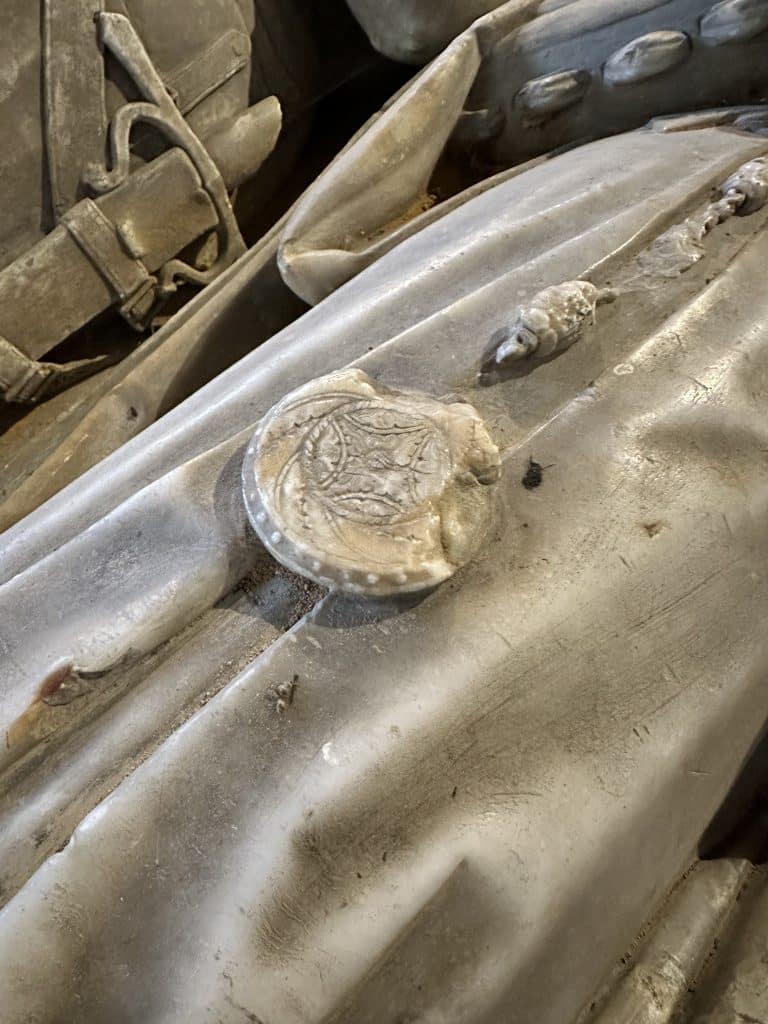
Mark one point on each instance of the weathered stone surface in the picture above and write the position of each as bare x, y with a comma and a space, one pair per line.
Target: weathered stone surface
369, 490
548, 94
553, 319
734, 21
646, 56
522, 81
470, 779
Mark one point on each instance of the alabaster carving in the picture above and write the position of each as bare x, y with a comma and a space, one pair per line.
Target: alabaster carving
370, 490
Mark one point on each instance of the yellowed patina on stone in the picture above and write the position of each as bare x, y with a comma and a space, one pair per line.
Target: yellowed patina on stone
369, 490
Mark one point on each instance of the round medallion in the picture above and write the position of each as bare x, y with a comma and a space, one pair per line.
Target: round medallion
369, 490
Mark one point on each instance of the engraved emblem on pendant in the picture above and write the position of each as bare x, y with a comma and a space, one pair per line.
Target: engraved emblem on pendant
369, 490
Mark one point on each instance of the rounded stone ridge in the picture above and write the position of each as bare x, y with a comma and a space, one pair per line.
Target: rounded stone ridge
646, 57
368, 490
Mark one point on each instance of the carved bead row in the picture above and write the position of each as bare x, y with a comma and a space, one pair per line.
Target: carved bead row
645, 57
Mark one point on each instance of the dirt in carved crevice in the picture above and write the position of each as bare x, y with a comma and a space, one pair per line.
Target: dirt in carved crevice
281, 596
54, 681
420, 205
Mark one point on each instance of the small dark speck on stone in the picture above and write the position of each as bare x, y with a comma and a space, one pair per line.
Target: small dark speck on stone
133, 412
534, 475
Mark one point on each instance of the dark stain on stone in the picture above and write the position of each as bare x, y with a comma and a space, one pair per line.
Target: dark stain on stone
534, 475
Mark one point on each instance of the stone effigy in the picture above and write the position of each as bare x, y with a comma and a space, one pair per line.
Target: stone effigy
413, 668
295, 804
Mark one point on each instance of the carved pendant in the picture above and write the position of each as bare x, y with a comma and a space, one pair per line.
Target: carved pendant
368, 490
